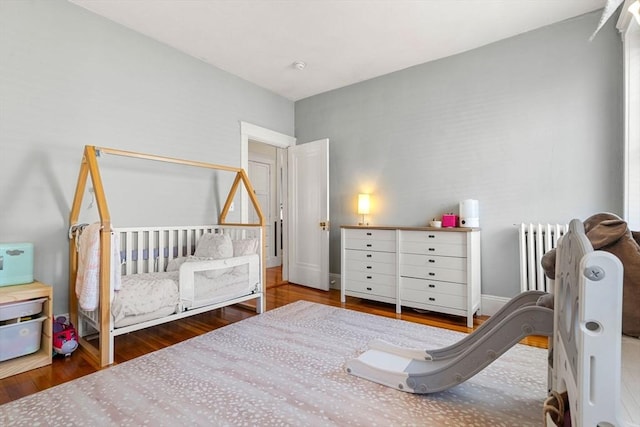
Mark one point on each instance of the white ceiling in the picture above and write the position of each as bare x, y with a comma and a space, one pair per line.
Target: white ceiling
341, 41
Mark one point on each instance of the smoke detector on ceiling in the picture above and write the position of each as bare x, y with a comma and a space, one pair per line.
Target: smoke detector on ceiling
299, 65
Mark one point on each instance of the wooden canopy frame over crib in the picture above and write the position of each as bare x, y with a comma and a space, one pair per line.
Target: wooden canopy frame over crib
90, 167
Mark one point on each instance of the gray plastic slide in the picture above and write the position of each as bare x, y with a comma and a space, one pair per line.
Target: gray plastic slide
430, 371
524, 299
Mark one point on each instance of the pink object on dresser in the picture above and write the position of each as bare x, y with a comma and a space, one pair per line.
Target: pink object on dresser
449, 220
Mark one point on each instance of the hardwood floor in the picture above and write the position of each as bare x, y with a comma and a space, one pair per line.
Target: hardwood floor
138, 343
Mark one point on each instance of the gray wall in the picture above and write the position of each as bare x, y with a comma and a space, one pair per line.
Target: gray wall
70, 78
530, 126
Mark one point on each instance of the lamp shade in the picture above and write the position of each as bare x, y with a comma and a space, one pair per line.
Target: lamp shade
634, 9
364, 205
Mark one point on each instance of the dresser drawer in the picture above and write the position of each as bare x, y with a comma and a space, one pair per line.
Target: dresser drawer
433, 286
448, 262
441, 300
369, 256
433, 273
368, 277
373, 289
448, 237
371, 245
426, 248
370, 234
371, 267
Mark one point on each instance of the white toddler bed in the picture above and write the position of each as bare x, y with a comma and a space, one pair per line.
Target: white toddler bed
586, 347
172, 272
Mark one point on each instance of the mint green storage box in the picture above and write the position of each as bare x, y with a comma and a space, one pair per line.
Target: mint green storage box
16, 263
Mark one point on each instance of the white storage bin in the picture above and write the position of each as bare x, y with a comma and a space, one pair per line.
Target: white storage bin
20, 339
14, 310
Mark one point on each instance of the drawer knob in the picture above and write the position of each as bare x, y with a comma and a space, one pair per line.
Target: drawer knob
431, 299
369, 289
432, 260
432, 285
369, 277
432, 236
369, 267
368, 234
432, 274
369, 255
369, 245
432, 249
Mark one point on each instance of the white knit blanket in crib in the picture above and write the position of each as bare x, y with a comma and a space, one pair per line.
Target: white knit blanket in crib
88, 275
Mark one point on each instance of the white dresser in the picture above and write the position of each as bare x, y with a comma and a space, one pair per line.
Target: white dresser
435, 269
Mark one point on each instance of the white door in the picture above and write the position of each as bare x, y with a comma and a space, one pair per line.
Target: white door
308, 217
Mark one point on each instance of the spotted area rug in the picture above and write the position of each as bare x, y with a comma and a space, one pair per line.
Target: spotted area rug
286, 368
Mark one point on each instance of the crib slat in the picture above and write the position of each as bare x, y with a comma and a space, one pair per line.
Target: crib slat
146, 237
199, 233
129, 252
153, 245
140, 257
190, 239
171, 243
161, 246
180, 243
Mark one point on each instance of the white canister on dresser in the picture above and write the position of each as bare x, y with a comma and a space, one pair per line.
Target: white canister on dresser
469, 213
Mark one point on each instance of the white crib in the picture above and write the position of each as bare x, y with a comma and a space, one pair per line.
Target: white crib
146, 250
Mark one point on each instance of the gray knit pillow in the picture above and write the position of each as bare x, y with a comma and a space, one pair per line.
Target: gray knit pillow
216, 246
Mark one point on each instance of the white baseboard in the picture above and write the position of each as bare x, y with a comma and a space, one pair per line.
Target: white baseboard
490, 304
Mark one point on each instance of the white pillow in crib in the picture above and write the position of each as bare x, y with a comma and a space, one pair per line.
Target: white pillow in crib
174, 264
244, 247
216, 246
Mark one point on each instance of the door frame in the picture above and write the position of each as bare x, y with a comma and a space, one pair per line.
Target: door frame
256, 133
258, 158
